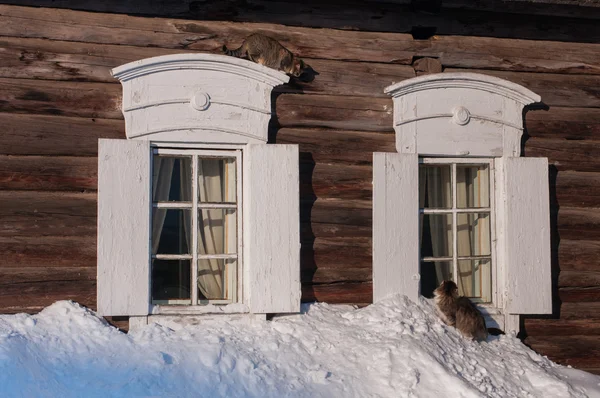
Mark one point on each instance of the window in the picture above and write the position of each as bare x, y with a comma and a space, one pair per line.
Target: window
457, 201
456, 225
195, 229
197, 213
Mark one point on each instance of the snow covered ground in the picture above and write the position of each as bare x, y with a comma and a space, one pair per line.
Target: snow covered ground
391, 349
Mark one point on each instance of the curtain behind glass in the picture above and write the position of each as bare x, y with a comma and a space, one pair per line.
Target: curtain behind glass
210, 228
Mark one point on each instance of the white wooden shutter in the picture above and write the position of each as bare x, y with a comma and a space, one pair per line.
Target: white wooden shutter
527, 236
123, 227
395, 225
271, 208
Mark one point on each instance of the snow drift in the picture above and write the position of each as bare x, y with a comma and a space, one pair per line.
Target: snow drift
394, 348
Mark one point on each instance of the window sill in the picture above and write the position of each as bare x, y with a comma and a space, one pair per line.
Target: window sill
235, 308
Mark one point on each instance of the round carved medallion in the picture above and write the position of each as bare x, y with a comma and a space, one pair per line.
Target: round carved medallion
461, 115
200, 101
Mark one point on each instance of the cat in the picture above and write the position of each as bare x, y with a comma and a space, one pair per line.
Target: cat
269, 52
459, 312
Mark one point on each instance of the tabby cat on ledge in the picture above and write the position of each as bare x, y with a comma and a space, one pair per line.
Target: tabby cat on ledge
459, 312
269, 52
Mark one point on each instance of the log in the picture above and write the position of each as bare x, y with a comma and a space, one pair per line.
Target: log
55, 135
575, 223
580, 294
579, 255
40, 60
25, 213
572, 279
577, 351
555, 89
339, 293
335, 211
44, 173
335, 181
586, 310
323, 275
68, 25
455, 18
566, 154
563, 122
48, 251
336, 112
577, 189
93, 100
15, 276
33, 296
336, 146
561, 327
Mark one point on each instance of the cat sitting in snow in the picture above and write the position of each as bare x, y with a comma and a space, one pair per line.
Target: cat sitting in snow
459, 312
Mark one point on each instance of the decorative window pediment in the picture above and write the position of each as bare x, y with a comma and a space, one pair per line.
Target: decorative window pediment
459, 114
197, 98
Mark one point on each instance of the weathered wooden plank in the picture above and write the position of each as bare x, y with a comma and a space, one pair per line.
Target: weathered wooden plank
33, 296
579, 279
48, 173
550, 23
566, 154
337, 112
334, 180
94, 100
18, 275
40, 60
332, 145
579, 255
48, 251
577, 189
555, 89
562, 327
315, 229
580, 294
27, 134
576, 223
562, 122
335, 211
577, 351
68, 25
586, 310
339, 293
25, 213
322, 275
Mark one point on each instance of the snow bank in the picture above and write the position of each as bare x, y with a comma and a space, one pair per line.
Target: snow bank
391, 349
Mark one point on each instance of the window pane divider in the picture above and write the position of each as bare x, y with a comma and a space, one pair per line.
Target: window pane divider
172, 256
194, 277
459, 258
217, 256
217, 205
451, 211
454, 224
172, 205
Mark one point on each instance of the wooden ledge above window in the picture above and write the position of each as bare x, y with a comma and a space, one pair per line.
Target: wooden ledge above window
459, 114
194, 98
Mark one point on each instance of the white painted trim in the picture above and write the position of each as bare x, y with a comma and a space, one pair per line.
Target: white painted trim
221, 63
475, 81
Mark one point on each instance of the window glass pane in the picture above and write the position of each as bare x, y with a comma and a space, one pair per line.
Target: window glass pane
171, 231
473, 233
474, 278
171, 280
217, 231
214, 281
435, 186
436, 235
172, 179
216, 180
472, 186
432, 274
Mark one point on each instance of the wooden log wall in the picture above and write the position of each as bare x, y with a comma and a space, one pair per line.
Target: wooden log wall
57, 98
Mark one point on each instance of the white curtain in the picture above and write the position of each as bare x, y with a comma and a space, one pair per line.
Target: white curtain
211, 228
161, 185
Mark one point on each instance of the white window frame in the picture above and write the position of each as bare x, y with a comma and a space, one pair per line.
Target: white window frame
454, 211
235, 279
